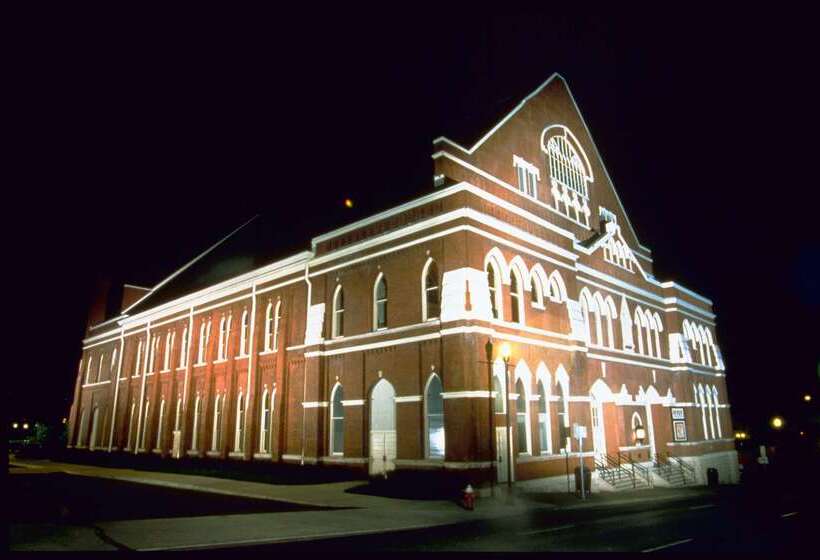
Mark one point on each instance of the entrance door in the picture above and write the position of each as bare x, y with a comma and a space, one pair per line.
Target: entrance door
501, 454
598, 435
382, 428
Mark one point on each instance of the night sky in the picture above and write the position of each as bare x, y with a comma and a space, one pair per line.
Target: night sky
147, 138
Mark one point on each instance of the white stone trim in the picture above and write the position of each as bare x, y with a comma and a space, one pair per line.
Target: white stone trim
468, 394
409, 398
315, 404
353, 402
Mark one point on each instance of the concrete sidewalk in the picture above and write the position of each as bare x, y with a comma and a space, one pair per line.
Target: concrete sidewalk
366, 514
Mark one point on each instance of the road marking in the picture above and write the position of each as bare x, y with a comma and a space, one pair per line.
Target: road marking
548, 530
703, 506
790, 514
653, 549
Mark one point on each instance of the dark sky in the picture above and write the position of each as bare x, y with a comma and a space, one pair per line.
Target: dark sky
147, 137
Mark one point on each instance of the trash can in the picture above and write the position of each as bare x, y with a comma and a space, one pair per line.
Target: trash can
712, 478
587, 481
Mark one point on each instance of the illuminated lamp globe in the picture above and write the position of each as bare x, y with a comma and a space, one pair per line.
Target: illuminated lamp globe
505, 352
777, 422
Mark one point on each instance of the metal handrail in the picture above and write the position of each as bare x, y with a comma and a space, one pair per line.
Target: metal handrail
684, 468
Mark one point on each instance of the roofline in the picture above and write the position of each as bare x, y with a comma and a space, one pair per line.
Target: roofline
586, 127
136, 287
185, 266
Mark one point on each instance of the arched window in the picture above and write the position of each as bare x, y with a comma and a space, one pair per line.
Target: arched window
217, 427
82, 430
516, 311
499, 390
88, 370
223, 324
544, 439
338, 319
434, 413
277, 315
636, 423
268, 326
197, 423
144, 435
203, 342
563, 411
95, 424
178, 415
239, 431
160, 422
131, 422
243, 334
536, 297
264, 421
699, 393
493, 283
183, 352
139, 358
113, 362
522, 419
337, 421
610, 313
717, 410
639, 323
166, 360
558, 291
99, 367
153, 354
227, 340
431, 302
710, 406
568, 177
380, 303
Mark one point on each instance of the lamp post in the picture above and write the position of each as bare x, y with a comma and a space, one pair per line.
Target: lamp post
488, 350
505, 355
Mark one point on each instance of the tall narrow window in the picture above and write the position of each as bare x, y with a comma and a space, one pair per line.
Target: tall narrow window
515, 297
535, 292
543, 419
522, 418
113, 362
268, 326
203, 342
197, 423
243, 334
277, 315
223, 337
139, 358
434, 404
99, 367
717, 410
131, 421
568, 177
166, 361
527, 174
144, 436
88, 369
337, 422
431, 303
380, 302
493, 283
217, 427
160, 423
500, 391
240, 424
264, 422
183, 351
178, 415
338, 318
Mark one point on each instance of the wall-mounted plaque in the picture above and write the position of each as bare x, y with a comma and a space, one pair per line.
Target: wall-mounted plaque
678, 414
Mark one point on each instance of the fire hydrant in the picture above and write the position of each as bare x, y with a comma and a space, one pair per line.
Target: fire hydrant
468, 498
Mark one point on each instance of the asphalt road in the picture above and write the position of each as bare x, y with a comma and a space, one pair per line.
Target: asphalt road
730, 520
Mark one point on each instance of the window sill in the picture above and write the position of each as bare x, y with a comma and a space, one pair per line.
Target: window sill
539, 306
166, 370
222, 361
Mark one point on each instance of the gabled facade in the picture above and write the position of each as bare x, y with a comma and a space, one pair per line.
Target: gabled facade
379, 349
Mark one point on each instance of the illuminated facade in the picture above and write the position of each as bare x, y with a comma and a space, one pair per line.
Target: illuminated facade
370, 350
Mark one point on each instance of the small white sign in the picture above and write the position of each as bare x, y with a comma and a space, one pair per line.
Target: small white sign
579, 431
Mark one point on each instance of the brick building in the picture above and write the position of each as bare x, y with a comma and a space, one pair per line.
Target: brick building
380, 348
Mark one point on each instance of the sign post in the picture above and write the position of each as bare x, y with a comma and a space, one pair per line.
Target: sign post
580, 432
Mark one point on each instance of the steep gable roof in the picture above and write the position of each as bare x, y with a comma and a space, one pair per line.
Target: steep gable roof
474, 141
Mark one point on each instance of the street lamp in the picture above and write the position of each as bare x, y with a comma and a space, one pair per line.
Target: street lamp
807, 397
15, 425
777, 422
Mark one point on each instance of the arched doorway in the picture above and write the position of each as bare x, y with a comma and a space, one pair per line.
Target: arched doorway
382, 428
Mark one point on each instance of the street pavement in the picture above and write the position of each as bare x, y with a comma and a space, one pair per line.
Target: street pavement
685, 519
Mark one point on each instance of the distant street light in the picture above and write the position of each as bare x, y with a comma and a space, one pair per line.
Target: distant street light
25, 425
15, 425
777, 422
807, 397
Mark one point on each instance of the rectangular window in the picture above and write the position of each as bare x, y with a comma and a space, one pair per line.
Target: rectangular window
528, 175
